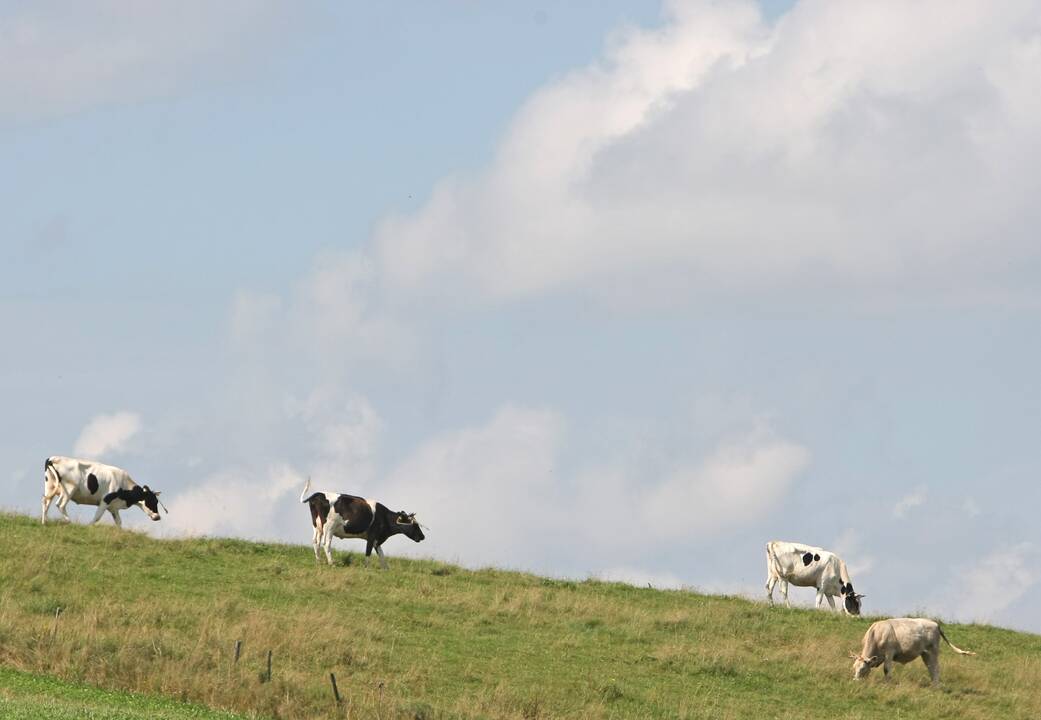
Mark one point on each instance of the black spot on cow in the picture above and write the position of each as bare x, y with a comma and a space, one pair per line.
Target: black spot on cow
816, 556
807, 558
358, 516
92, 483
133, 496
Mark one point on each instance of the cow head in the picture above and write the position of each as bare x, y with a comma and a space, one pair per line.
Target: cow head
851, 600
408, 526
862, 666
150, 503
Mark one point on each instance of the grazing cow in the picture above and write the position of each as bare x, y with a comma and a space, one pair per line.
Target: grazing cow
347, 516
92, 483
807, 566
902, 640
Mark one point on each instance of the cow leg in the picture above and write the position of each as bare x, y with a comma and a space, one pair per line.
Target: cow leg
101, 511
368, 550
887, 666
327, 542
62, 502
770, 583
383, 560
316, 540
831, 601
784, 593
48, 497
932, 661
820, 599
115, 516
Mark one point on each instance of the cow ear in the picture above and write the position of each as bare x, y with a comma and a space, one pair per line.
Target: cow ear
157, 493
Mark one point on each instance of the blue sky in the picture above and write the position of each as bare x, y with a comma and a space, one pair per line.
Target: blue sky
613, 289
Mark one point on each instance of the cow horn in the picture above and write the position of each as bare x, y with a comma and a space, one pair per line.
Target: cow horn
161, 505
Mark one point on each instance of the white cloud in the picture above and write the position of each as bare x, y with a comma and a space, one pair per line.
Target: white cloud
252, 316
995, 582
739, 483
874, 146
57, 58
908, 502
510, 481
849, 547
107, 434
346, 432
238, 503
490, 494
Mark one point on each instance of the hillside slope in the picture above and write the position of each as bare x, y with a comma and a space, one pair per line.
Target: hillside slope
428, 640
24, 696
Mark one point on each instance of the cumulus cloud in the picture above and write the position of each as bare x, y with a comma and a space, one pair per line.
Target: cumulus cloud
885, 147
57, 58
237, 503
490, 493
525, 506
739, 483
995, 582
107, 434
908, 502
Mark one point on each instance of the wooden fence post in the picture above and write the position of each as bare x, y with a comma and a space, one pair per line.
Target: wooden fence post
269, 666
238, 650
54, 629
336, 691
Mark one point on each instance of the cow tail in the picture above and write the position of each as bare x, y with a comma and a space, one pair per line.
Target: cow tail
953, 646
49, 466
304, 497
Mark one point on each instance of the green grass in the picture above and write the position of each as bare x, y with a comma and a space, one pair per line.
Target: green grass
24, 696
429, 640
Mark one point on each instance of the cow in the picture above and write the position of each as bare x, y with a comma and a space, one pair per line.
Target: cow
808, 566
92, 483
902, 640
348, 516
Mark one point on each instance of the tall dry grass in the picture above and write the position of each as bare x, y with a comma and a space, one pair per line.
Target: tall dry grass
428, 640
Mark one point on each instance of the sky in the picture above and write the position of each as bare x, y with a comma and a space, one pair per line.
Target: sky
596, 289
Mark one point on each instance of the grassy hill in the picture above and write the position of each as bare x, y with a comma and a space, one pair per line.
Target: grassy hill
429, 640
24, 696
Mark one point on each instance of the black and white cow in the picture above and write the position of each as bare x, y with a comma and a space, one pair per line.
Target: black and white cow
348, 516
92, 483
808, 566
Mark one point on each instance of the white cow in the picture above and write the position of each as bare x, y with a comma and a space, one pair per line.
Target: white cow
92, 483
804, 565
902, 640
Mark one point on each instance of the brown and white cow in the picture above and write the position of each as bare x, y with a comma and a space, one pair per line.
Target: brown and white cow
902, 640
92, 483
348, 516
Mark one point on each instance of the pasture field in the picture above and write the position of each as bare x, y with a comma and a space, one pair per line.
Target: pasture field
430, 640
32, 697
